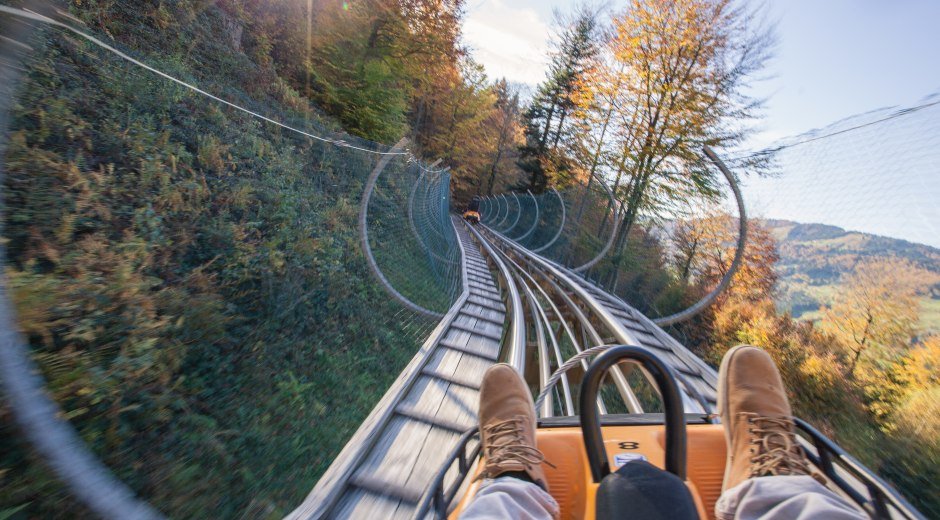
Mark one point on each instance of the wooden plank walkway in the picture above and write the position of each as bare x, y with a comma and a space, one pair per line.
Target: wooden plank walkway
389, 463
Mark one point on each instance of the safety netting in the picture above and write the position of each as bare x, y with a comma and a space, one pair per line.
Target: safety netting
839, 277
215, 284
855, 211
583, 225
870, 178
569, 224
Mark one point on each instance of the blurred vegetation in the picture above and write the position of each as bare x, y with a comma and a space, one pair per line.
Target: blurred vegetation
815, 259
873, 389
177, 266
190, 279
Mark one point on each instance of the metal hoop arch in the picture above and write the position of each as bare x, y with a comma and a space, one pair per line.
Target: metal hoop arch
364, 238
411, 218
489, 208
501, 221
486, 213
535, 222
710, 298
560, 227
613, 232
518, 213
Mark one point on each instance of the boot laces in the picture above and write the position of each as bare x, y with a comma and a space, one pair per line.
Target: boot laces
505, 445
774, 448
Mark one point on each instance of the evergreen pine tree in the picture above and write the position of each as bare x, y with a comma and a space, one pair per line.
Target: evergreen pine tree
546, 116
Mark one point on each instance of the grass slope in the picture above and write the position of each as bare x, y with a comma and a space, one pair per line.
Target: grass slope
189, 279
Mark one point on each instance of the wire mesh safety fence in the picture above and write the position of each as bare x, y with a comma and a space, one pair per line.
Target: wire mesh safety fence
854, 209
188, 274
860, 190
569, 225
420, 258
842, 226
873, 173
868, 185
632, 252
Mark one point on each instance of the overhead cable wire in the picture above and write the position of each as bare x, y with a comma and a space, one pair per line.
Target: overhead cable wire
44, 19
895, 115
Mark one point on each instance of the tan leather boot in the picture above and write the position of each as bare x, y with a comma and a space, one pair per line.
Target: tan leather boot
757, 417
507, 426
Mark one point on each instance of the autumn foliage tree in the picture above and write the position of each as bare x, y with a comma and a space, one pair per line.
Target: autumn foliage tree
745, 313
911, 378
363, 62
509, 135
703, 249
548, 117
875, 312
886, 411
475, 130
388, 69
674, 79
371, 59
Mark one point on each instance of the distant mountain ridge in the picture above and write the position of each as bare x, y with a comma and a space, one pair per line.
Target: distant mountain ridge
814, 257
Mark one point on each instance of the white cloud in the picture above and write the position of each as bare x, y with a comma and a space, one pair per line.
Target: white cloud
508, 41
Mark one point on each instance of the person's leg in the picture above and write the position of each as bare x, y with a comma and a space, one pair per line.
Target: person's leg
514, 485
509, 497
767, 474
798, 497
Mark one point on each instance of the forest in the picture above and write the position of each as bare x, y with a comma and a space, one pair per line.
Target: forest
172, 262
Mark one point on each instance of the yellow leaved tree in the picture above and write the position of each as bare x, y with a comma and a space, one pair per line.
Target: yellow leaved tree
672, 77
875, 312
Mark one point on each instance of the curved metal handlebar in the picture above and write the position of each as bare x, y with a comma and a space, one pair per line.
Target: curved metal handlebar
672, 403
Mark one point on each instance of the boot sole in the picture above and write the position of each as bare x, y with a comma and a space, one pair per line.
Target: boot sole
723, 409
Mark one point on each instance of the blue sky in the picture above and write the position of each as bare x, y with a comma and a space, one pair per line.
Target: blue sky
834, 59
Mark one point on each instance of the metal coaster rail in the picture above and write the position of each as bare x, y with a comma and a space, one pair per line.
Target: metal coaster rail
514, 306
562, 308
517, 307
394, 456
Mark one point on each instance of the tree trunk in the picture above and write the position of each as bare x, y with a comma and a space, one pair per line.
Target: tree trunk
855, 358
561, 124
499, 154
688, 262
594, 162
610, 203
633, 209
862, 344
548, 127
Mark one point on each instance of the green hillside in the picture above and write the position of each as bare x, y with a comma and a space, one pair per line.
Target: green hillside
815, 257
